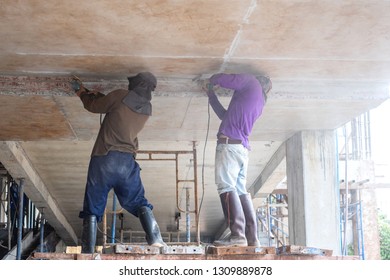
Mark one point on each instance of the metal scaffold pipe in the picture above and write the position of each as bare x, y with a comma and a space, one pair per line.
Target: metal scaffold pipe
42, 232
188, 217
20, 220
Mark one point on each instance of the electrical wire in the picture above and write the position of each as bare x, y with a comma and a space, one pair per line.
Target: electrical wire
204, 156
109, 236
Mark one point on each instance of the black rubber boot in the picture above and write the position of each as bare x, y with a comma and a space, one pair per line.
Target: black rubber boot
88, 237
150, 226
234, 216
250, 220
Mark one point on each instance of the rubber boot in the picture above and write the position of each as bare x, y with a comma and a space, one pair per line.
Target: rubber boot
250, 220
234, 216
88, 237
150, 226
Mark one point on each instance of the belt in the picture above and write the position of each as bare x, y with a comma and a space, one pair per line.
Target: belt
225, 140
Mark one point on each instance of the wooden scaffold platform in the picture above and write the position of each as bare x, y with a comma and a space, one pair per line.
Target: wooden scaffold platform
195, 252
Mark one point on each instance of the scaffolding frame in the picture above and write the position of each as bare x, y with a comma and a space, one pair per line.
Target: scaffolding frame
273, 220
356, 146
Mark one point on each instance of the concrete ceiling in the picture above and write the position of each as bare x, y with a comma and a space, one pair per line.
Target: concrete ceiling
329, 62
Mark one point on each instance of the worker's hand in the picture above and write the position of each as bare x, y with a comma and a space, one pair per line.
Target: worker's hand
82, 90
206, 85
210, 88
76, 84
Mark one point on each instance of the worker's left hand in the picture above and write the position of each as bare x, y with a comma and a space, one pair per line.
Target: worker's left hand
206, 85
82, 90
76, 84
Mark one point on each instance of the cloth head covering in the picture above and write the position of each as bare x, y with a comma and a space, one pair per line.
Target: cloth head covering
140, 93
266, 85
143, 84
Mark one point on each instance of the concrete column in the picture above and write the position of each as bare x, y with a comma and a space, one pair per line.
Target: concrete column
313, 196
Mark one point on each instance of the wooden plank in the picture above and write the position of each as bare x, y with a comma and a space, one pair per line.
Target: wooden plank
302, 250
53, 256
64, 256
241, 250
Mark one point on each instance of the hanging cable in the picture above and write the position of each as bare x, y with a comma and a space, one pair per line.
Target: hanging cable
109, 236
204, 155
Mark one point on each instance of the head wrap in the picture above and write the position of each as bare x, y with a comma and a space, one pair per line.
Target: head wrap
143, 84
140, 92
265, 82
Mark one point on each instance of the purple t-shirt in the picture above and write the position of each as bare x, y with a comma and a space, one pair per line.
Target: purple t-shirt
245, 106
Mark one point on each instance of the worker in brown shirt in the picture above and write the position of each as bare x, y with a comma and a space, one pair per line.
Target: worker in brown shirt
112, 163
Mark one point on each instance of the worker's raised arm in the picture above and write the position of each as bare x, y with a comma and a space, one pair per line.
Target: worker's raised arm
230, 81
96, 102
213, 99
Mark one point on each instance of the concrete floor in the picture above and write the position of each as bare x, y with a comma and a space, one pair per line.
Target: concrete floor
328, 61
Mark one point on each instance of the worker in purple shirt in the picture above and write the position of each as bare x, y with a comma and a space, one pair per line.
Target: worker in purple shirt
231, 158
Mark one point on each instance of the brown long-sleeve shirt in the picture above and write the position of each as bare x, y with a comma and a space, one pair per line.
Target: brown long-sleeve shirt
120, 128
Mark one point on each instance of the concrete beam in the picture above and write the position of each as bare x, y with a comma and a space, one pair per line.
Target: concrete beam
15, 160
272, 165
60, 86
172, 86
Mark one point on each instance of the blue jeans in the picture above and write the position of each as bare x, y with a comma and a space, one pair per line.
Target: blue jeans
118, 171
231, 166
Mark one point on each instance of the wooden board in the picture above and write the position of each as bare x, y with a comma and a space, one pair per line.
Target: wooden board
302, 250
241, 250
